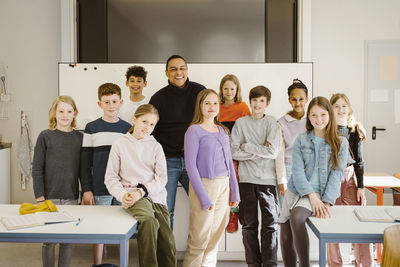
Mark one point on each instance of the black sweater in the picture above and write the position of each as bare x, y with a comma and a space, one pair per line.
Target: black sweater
176, 108
356, 153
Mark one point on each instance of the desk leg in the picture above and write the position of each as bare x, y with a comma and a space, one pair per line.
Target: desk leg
123, 253
379, 196
378, 253
379, 202
322, 253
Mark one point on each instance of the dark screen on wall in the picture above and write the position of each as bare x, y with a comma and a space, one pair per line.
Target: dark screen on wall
203, 31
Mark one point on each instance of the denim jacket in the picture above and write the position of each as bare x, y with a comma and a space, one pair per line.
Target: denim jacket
304, 164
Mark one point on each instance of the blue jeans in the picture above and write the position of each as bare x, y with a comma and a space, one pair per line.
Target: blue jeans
176, 170
104, 200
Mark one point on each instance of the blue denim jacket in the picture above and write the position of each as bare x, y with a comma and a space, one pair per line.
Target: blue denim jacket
303, 165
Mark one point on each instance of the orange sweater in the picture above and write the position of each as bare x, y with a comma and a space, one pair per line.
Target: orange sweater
234, 112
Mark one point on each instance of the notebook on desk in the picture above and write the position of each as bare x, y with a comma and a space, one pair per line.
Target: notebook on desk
375, 214
36, 219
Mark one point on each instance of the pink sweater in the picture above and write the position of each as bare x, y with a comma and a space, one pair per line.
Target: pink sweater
132, 162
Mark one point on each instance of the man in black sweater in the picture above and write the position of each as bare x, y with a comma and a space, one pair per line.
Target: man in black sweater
175, 104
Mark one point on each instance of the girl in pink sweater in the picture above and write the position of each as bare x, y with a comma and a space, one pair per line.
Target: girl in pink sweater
136, 175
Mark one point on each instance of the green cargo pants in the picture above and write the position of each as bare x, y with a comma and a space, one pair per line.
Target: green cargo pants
156, 242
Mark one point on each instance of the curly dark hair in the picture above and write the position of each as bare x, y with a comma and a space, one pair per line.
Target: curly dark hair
137, 71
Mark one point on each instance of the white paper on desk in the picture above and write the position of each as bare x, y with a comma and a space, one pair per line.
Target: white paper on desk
22, 221
396, 106
36, 219
372, 214
394, 213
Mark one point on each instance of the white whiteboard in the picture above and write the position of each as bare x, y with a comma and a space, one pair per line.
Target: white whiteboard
82, 81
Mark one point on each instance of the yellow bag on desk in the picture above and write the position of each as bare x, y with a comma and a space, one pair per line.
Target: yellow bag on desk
27, 208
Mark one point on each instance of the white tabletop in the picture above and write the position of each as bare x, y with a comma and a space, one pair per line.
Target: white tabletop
381, 181
344, 222
345, 227
97, 222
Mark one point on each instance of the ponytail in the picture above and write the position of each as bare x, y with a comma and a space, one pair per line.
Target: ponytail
297, 84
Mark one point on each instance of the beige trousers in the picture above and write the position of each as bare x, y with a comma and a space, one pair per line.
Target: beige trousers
206, 227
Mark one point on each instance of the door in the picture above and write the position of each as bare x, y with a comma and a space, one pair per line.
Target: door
382, 102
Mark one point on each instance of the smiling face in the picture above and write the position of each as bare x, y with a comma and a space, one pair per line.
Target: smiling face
144, 125
210, 106
177, 72
65, 113
258, 105
110, 104
229, 90
298, 100
319, 119
342, 111
136, 85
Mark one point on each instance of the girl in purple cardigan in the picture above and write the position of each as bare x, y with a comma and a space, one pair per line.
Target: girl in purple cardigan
212, 179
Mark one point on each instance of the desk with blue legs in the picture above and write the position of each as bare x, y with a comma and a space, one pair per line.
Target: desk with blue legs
376, 183
100, 225
344, 227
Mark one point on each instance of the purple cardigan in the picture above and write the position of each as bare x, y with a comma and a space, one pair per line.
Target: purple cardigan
199, 160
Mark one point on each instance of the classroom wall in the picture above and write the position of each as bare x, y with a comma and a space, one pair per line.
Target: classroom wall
30, 49
338, 30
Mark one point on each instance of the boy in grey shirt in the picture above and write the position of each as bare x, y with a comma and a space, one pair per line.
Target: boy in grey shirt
255, 143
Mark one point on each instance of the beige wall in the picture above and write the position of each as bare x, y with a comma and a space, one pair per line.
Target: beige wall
29, 54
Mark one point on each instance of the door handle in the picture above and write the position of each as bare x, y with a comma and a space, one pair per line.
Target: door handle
374, 129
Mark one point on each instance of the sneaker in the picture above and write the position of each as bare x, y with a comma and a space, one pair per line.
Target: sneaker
233, 222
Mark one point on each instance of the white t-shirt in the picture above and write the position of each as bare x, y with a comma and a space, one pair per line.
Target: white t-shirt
129, 108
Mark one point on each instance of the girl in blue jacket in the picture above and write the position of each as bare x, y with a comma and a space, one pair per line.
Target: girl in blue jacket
318, 162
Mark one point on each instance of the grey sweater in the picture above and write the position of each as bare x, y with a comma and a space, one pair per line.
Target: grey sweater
55, 169
256, 161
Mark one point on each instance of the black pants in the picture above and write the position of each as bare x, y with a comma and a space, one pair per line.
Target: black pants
265, 195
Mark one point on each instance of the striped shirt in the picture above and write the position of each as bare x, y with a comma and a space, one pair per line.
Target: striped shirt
98, 137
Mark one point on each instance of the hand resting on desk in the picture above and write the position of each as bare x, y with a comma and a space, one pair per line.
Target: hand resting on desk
319, 209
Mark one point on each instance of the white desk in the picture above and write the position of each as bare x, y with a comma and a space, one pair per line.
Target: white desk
377, 183
344, 227
100, 225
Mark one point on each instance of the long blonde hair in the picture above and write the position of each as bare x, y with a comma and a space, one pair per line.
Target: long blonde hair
143, 110
235, 80
52, 112
331, 132
350, 117
198, 117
